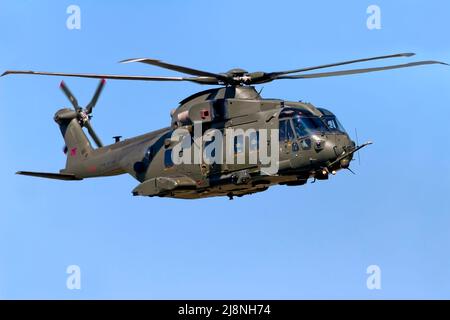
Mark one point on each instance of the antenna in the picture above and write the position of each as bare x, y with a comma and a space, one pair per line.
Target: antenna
357, 144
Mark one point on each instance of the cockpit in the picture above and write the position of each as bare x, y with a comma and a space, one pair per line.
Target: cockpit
302, 123
307, 125
313, 136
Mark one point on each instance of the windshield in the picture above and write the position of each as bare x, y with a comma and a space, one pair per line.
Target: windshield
333, 123
307, 125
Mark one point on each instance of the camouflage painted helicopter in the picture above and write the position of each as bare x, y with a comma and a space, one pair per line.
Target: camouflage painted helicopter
310, 141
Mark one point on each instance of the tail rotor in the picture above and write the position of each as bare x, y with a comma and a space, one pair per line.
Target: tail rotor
84, 114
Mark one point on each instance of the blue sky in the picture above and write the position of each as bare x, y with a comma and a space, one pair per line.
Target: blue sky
314, 241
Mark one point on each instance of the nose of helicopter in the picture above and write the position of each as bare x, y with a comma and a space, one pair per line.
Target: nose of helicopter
334, 146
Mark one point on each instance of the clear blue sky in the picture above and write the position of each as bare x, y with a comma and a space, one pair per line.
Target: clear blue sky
314, 241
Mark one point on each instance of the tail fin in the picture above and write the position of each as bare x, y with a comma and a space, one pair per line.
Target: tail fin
78, 146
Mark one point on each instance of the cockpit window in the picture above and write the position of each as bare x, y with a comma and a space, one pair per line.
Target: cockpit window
306, 125
303, 122
333, 123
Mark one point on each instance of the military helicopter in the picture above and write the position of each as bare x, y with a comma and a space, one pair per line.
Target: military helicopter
310, 141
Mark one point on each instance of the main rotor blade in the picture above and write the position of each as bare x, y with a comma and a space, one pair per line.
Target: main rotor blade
199, 80
69, 95
92, 133
357, 71
398, 55
174, 67
204, 80
97, 93
96, 76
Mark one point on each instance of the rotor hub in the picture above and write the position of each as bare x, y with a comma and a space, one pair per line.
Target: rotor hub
236, 72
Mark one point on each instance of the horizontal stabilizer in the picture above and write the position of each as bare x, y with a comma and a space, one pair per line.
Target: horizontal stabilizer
58, 176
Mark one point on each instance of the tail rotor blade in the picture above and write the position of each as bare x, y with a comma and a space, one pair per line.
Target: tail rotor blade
97, 93
69, 95
92, 133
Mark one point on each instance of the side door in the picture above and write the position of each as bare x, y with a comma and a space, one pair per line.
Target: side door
244, 147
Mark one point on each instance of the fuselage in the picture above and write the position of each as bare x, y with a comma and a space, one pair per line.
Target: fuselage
308, 140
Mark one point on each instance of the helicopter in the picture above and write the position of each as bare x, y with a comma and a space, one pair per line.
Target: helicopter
305, 141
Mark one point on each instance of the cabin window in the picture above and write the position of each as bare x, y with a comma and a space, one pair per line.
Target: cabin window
239, 143
253, 140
